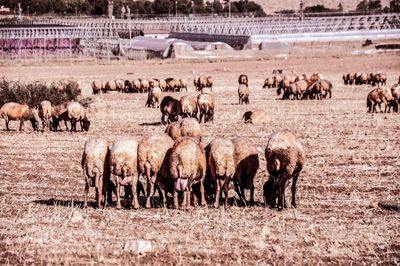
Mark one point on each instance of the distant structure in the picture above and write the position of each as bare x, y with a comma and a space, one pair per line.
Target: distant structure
123, 11
110, 8
19, 12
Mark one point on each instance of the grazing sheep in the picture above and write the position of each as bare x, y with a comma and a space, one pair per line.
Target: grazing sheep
136, 86
395, 90
183, 84
97, 87
110, 86
59, 113
153, 97
379, 79
345, 79
120, 85
318, 90
269, 83
189, 106
243, 79
187, 167
144, 85
170, 108
123, 164
378, 96
206, 103
285, 158
296, 89
244, 93
95, 168
172, 84
154, 83
316, 77
187, 127
153, 156
247, 164
77, 113
163, 85
221, 162
127, 86
284, 85
277, 81
209, 82
256, 117
45, 114
22, 112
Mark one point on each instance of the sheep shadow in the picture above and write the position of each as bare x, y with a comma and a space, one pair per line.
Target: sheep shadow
63, 203
153, 124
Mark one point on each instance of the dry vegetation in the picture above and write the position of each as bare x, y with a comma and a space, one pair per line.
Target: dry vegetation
353, 164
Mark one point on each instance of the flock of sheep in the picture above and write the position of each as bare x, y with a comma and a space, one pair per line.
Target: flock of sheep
177, 162
49, 115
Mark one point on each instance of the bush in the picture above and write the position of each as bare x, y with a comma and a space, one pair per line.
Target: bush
33, 93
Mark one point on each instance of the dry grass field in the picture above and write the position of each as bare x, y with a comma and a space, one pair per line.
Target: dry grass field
352, 164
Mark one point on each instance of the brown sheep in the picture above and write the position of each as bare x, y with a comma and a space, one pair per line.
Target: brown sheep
58, 113
182, 84
221, 162
123, 165
163, 85
189, 106
284, 85
247, 164
209, 82
187, 167
110, 86
22, 112
256, 117
395, 90
95, 168
243, 79
200, 82
277, 81
127, 86
77, 113
379, 79
378, 96
268, 83
172, 84
45, 114
170, 108
187, 127
296, 89
316, 77
285, 157
97, 87
153, 156
120, 85
135, 85
153, 97
144, 85
206, 103
244, 93
318, 90
345, 79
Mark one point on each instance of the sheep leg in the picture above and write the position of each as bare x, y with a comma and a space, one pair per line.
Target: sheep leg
200, 117
294, 190
251, 203
226, 190
176, 202
281, 192
99, 194
135, 201
85, 198
7, 123
118, 192
149, 188
21, 125
163, 196
184, 203
187, 193
202, 193
217, 194
239, 192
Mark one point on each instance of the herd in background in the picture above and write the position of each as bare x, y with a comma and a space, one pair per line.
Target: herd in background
177, 163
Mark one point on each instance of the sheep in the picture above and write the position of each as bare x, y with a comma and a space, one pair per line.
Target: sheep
15, 111
277, 81
120, 85
187, 127
247, 164
203, 81
45, 114
296, 89
187, 167
123, 165
172, 84
153, 97
97, 87
362, 78
379, 79
153, 156
170, 108
243, 92
110, 86
318, 90
154, 83
58, 113
269, 83
206, 103
220, 155
189, 106
183, 84
284, 85
243, 79
256, 117
95, 168
135, 85
77, 113
127, 86
316, 77
163, 85
395, 90
377, 96
209, 82
345, 79
285, 157
144, 85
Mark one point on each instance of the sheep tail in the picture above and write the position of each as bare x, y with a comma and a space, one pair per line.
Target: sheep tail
277, 165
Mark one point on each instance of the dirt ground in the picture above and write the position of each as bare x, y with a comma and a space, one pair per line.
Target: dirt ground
352, 164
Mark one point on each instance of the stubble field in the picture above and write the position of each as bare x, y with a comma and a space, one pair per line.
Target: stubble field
352, 164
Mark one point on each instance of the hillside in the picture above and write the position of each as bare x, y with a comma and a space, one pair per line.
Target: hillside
271, 6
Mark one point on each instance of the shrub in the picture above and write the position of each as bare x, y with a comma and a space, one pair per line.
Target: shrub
33, 93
